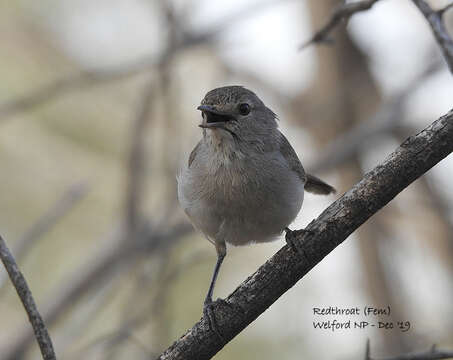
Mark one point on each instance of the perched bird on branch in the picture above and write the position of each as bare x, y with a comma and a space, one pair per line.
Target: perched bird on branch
243, 183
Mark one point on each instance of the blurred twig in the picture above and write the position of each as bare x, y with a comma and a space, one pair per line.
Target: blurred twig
386, 120
83, 79
442, 11
249, 77
18, 280
367, 349
166, 281
435, 20
109, 340
341, 14
101, 266
134, 192
53, 215
438, 205
71, 83
432, 354
142, 316
242, 14
90, 313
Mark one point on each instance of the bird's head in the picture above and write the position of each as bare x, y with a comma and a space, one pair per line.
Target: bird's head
236, 113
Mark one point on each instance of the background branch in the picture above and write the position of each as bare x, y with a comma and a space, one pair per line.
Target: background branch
440, 32
45, 222
388, 118
18, 280
136, 161
341, 14
69, 83
94, 271
84, 79
408, 162
433, 354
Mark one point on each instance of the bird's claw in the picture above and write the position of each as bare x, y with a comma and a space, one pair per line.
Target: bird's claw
208, 314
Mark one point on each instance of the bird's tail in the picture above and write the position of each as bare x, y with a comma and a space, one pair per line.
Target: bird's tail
317, 186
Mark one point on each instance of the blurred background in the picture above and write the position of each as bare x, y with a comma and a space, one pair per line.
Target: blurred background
98, 112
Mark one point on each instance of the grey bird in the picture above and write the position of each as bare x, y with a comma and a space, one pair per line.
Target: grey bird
243, 183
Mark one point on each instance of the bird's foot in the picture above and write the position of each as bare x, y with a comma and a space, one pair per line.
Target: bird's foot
208, 314
291, 236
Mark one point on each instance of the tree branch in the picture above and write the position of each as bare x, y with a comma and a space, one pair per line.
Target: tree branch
342, 13
438, 28
379, 186
18, 280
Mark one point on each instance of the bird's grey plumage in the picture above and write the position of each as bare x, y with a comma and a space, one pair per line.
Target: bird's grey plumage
237, 198
243, 182
291, 157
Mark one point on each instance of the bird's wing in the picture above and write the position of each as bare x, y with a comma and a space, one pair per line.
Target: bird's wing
291, 157
311, 183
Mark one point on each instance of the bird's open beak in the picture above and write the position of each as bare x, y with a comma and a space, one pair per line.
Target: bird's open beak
208, 108
213, 118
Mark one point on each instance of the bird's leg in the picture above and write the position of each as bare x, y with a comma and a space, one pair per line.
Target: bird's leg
208, 311
291, 235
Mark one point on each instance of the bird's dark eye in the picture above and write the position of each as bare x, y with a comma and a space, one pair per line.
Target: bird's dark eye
244, 109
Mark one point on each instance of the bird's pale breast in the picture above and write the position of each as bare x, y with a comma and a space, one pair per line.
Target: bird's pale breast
240, 199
